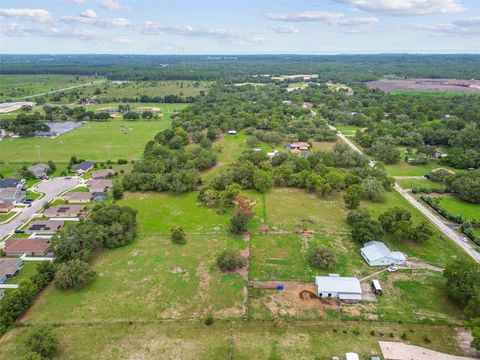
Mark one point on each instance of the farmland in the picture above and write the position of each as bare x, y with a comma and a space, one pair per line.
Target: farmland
20, 86
435, 85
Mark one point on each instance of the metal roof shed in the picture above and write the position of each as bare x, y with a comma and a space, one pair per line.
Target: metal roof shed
335, 286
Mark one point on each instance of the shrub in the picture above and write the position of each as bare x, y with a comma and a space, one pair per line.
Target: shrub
230, 260
178, 235
42, 341
209, 320
73, 274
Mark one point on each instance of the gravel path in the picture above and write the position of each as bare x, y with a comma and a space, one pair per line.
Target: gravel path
401, 351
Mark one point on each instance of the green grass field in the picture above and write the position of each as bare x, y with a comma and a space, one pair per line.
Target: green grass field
16, 86
419, 183
431, 93
95, 141
403, 168
134, 89
238, 340
457, 206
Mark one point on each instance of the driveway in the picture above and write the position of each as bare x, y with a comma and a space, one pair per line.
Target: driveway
434, 219
51, 188
400, 351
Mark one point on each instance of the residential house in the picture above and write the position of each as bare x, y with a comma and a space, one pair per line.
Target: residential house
272, 154
83, 167
99, 186
11, 183
63, 211
302, 146
376, 253
13, 195
45, 227
29, 246
40, 171
9, 267
6, 206
103, 174
78, 197
342, 288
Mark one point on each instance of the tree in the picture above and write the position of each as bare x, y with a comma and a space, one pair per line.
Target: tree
353, 196
463, 279
322, 258
52, 166
177, 235
230, 260
42, 341
364, 228
467, 186
73, 274
262, 180
422, 232
374, 190
392, 216
472, 310
386, 153
439, 175
403, 230
241, 213
117, 191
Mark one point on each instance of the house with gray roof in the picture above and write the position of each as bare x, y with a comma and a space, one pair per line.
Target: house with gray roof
376, 253
9, 267
40, 171
338, 287
12, 195
83, 167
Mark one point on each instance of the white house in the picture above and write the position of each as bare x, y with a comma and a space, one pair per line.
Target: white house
377, 253
336, 286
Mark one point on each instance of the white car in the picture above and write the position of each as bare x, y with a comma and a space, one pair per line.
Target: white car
392, 269
464, 239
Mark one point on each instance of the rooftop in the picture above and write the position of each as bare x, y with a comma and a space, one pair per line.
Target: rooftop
335, 283
27, 245
375, 250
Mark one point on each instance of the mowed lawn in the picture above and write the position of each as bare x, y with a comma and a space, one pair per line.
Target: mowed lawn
152, 278
420, 184
403, 168
14, 86
237, 340
95, 141
457, 207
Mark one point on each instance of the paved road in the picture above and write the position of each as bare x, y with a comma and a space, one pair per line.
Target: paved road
426, 211
51, 189
59, 90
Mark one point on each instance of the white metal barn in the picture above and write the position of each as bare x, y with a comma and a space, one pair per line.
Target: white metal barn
377, 253
335, 286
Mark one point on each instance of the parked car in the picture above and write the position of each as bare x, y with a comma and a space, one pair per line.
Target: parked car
392, 269
464, 239
19, 231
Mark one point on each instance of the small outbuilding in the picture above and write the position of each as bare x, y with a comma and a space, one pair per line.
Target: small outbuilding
377, 253
339, 287
232, 132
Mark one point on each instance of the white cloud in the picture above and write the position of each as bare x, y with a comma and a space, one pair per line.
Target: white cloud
38, 15
464, 27
89, 14
83, 19
290, 29
153, 28
77, 2
15, 29
407, 7
112, 5
322, 16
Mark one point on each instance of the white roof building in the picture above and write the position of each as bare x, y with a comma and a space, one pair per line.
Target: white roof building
336, 286
377, 253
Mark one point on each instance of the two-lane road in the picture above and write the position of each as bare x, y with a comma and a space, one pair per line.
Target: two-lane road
51, 188
423, 209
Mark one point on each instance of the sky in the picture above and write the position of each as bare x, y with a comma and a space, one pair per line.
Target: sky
239, 27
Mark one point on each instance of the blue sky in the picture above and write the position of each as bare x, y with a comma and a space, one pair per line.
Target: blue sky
240, 27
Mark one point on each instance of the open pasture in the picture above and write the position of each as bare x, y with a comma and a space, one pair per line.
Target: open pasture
18, 86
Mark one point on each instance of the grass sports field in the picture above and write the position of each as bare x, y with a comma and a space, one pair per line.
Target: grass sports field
95, 141
17, 86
